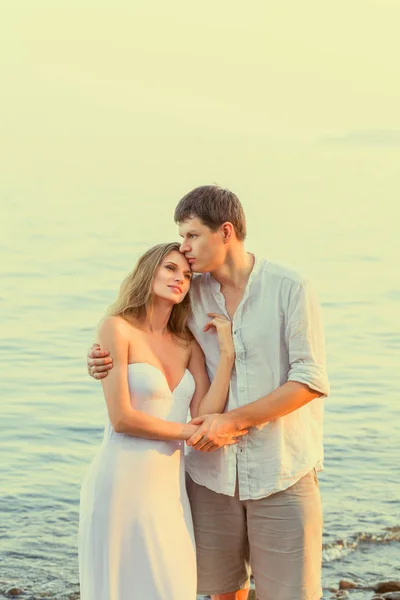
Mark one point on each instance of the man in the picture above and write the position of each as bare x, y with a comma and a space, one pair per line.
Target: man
256, 502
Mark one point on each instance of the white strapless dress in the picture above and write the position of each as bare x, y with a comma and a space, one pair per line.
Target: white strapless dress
135, 531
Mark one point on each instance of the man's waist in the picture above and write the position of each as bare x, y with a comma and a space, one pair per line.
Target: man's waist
257, 459
252, 486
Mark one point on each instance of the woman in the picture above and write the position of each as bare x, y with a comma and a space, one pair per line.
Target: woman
136, 535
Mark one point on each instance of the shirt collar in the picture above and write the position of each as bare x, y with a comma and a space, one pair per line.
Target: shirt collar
216, 286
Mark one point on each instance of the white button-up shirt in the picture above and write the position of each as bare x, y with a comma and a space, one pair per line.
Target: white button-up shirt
278, 337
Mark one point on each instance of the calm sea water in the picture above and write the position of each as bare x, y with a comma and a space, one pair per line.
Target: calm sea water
62, 265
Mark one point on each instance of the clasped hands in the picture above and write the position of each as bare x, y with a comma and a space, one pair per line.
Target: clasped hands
215, 431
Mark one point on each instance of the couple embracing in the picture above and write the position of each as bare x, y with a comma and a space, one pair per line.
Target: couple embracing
205, 327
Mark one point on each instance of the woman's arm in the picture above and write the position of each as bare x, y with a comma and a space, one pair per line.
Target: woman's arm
113, 334
212, 398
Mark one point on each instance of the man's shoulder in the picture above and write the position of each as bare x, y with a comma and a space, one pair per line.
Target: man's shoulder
279, 273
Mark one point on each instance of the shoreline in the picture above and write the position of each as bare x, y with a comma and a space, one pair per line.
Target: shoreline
382, 590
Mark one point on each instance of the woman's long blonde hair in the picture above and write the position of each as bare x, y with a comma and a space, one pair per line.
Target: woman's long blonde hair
135, 295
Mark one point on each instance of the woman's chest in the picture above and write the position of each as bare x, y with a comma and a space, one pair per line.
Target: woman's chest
168, 355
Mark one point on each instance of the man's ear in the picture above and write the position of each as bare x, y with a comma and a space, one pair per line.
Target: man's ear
227, 231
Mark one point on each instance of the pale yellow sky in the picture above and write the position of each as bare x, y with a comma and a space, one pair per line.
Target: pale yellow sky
167, 95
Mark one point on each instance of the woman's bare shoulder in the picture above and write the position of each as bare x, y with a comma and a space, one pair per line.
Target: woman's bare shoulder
116, 326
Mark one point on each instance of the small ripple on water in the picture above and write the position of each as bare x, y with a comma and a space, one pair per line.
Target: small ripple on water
338, 549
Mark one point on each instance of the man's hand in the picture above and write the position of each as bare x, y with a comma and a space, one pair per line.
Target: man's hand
99, 362
214, 432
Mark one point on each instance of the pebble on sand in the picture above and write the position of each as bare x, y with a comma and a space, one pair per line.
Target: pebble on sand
347, 585
387, 586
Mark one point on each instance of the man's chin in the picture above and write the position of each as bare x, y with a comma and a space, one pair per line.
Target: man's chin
198, 269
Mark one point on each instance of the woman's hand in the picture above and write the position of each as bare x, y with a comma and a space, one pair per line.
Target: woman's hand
224, 331
215, 431
189, 430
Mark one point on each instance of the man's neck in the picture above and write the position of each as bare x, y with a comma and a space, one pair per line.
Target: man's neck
234, 273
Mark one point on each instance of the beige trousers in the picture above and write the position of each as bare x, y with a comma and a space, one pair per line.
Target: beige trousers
280, 536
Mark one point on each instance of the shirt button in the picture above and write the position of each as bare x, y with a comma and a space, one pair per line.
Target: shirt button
241, 389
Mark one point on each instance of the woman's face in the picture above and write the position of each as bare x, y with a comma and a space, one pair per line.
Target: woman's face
172, 278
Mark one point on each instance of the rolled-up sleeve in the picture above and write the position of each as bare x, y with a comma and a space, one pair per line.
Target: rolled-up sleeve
305, 338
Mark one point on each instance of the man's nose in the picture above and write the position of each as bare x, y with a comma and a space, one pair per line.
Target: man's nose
184, 247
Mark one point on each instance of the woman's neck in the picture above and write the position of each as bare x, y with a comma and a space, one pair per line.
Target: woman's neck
157, 320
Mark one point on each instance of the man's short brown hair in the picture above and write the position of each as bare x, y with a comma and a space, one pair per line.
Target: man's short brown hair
214, 206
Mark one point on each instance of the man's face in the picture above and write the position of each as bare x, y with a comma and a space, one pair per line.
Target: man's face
203, 248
